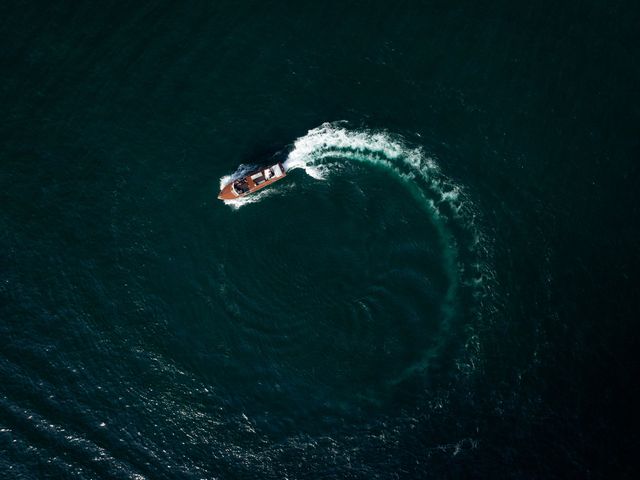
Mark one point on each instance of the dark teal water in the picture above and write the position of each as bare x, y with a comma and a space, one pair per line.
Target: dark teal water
444, 286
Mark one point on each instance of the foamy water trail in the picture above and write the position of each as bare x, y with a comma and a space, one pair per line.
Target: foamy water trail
332, 138
335, 141
464, 252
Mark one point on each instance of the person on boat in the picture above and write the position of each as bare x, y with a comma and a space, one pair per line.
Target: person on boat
240, 185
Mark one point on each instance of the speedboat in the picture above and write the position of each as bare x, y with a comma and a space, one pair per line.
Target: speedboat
252, 182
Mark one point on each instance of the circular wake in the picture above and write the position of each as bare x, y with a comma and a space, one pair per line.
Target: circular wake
328, 149
406, 281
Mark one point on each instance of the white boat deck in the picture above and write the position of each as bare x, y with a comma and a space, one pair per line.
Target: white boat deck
267, 174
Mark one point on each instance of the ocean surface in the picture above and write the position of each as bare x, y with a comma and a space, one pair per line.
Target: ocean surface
443, 286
